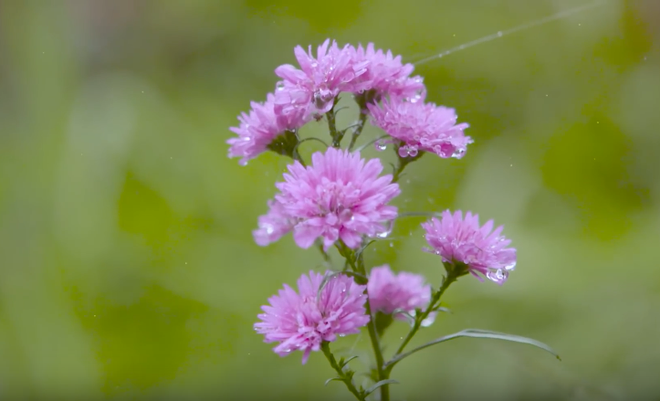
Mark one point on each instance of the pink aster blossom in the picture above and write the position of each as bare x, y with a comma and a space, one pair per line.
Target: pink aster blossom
303, 320
319, 80
386, 74
421, 127
261, 126
338, 197
404, 292
460, 240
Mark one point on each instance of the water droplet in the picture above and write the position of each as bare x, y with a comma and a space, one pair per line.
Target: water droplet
381, 145
242, 162
500, 33
391, 244
458, 152
342, 335
279, 86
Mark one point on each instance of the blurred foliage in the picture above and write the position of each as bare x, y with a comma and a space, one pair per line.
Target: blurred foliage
127, 267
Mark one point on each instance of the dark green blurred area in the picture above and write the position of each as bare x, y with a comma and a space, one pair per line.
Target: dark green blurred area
127, 266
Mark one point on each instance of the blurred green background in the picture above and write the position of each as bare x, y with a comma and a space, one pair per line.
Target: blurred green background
127, 265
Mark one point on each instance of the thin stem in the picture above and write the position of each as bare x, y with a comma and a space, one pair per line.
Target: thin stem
361, 100
335, 134
450, 278
296, 156
356, 261
348, 380
380, 361
358, 129
313, 138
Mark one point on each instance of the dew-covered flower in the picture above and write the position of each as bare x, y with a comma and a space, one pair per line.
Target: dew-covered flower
338, 197
481, 249
319, 79
386, 74
261, 126
303, 320
421, 126
403, 292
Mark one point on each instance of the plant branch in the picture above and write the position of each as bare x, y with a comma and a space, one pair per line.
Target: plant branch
343, 376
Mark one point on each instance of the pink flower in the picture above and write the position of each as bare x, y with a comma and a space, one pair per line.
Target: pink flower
404, 292
463, 241
302, 321
421, 127
338, 197
319, 80
261, 126
273, 225
386, 74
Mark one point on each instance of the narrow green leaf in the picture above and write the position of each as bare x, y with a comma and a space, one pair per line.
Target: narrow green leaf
333, 379
343, 362
476, 333
378, 385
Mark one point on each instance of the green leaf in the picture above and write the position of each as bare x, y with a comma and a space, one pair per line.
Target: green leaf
343, 362
378, 385
333, 379
476, 333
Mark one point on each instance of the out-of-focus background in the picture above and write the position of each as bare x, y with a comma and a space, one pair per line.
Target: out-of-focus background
127, 265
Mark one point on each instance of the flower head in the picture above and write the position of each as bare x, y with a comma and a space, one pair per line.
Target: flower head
385, 74
261, 126
460, 240
337, 197
404, 292
303, 320
320, 79
421, 127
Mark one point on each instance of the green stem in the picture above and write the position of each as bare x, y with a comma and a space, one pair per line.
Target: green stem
348, 380
358, 129
403, 162
450, 278
335, 134
356, 261
361, 100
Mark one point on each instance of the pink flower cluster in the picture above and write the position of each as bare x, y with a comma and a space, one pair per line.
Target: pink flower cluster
338, 197
342, 199
333, 305
308, 92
